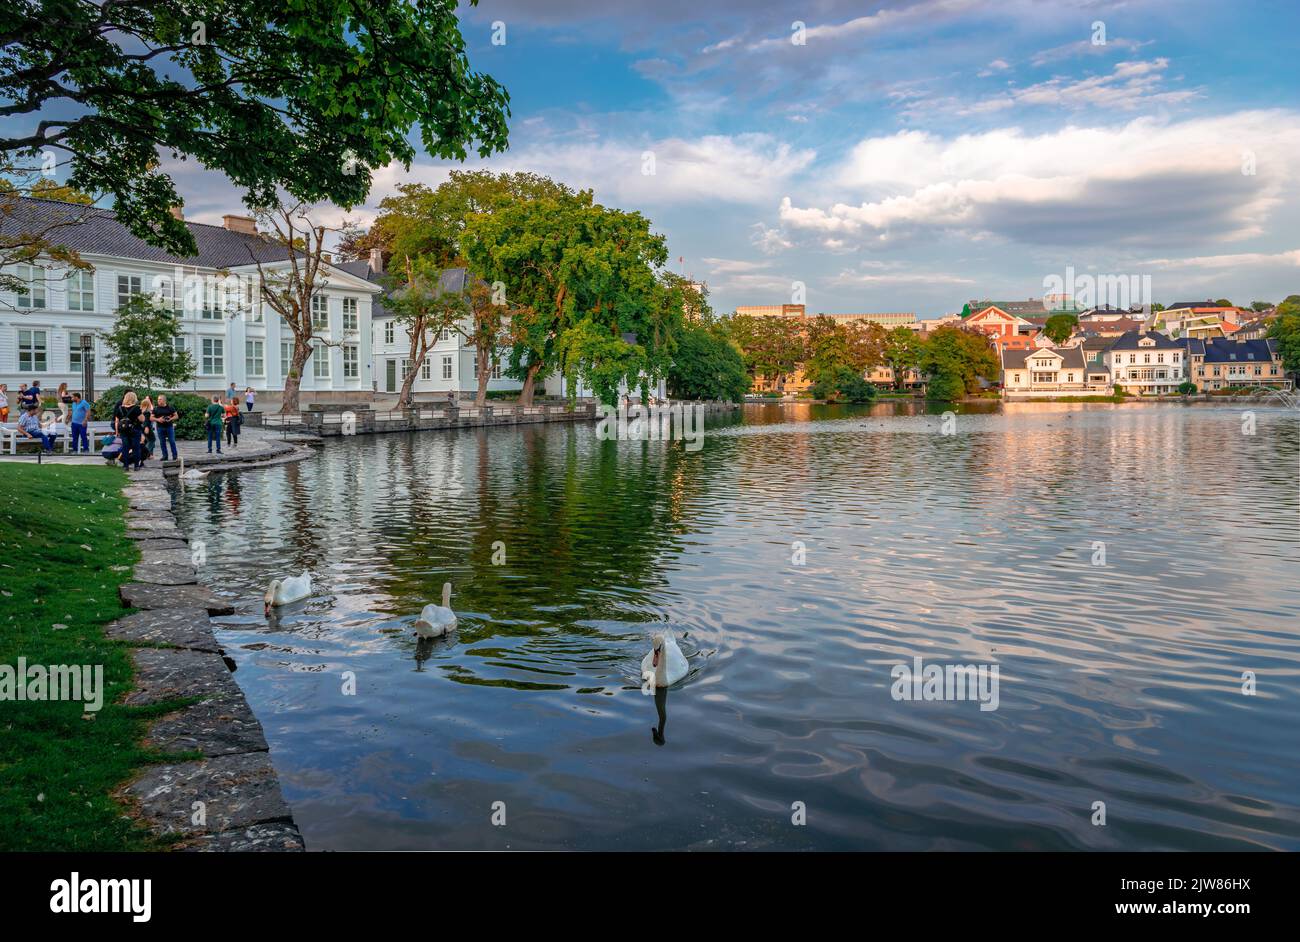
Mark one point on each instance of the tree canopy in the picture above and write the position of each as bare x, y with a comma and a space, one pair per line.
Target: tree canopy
306, 96
142, 346
707, 365
1059, 327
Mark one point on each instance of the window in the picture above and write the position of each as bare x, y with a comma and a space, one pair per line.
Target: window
320, 312
1160, 358
74, 352
254, 358
128, 287
388, 332
214, 356
426, 369
178, 345
253, 303
446, 367
286, 357
351, 361
320, 362
349, 313
406, 369
34, 299
81, 291
32, 347
496, 369
445, 334
1146, 358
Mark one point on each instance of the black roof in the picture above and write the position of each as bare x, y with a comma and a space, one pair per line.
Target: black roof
94, 230
1129, 341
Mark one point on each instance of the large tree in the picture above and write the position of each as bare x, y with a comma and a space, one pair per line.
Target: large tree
1285, 329
901, 353
306, 96
288, 287
773, 346
424, 310
707, 365
955, 360
1059, 327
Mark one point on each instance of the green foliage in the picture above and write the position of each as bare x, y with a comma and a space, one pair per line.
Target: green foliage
945, 387
772, 346
1187, 388
189, 407
1223, 302
1258, 306
142, 345
950, 353
1059, 327
707, 365
306, 96
902, 352
845, 385
1285, 329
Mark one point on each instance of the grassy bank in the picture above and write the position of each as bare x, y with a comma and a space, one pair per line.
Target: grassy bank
62, 533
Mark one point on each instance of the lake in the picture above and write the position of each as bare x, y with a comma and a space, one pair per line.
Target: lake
1122, 566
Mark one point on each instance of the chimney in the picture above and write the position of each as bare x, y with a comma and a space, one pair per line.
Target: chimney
240, 224
377, 261
178, 213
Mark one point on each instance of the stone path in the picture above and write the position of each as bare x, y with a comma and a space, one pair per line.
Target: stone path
230, 799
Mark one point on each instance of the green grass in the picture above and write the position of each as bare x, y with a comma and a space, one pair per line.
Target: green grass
58, 768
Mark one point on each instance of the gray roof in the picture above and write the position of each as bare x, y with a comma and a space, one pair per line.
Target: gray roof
1226, 350
1072, 357
1129, 341
94, 230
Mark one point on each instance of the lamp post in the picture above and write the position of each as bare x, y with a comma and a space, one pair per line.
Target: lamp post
88, 367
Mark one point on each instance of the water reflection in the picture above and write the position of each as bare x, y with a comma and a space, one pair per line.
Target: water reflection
1120, 682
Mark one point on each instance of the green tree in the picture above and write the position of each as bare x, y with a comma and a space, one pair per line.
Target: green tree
306, 96
423, 311
707, 365
902, 352
142, 345
843, 385
956, 360
1258, 306
772, 346
1059, 327
1223, 302
1285, 329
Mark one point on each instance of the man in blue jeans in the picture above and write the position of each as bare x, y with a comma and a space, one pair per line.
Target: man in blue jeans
30, 425
164, 425
80, 415
215, 415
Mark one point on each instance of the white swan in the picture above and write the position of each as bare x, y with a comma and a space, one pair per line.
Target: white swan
665, 664
286, 590
194, 474
437, 620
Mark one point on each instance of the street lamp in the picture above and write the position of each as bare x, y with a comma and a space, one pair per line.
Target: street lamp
88, 367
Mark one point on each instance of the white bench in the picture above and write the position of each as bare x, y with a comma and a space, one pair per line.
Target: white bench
11, 436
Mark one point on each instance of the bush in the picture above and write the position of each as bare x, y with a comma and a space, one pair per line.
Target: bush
945, 387
846, 386
190, 423
1187, 388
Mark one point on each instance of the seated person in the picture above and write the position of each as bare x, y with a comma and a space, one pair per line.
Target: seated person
29, 425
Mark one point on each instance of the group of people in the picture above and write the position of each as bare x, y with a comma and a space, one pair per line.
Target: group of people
141, 425
30, 425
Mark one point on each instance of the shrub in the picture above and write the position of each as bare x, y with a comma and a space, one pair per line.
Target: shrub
1187, 388
945, 387
190, 409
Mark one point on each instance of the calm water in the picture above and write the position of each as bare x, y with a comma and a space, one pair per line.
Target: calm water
1118, 683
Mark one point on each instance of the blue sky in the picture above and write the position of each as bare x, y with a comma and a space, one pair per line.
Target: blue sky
912, 154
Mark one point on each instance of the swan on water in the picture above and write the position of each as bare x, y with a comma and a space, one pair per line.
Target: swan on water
665, 664
286, 590
436, 621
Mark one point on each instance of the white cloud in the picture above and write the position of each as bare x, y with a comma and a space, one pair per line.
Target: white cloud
1147, 180
743, 168
1239, 260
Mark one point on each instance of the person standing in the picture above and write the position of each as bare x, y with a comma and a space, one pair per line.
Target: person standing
232, 393
249, 398
130, 427
147, 437
233, 422
4, 403
64, 402
164, 423
80, 419
212, 418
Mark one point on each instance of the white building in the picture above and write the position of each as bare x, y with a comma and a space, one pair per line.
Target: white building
451, 364
231, 335
1146, 362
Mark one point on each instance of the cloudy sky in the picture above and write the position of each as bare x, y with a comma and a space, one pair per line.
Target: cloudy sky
911, 154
